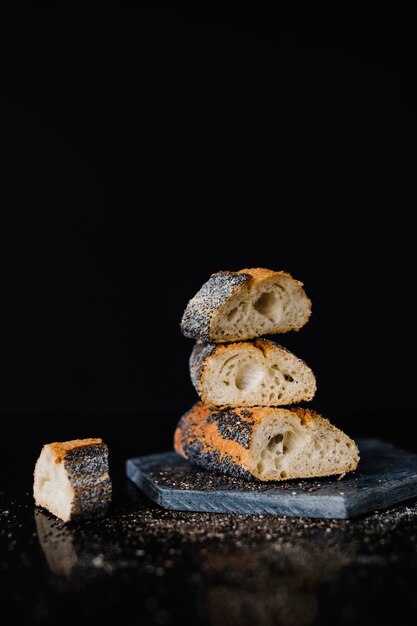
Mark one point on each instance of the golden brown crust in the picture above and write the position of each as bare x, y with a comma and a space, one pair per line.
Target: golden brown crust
201, 440
257, 414
60, 449
260, 273
178, 443
197, 423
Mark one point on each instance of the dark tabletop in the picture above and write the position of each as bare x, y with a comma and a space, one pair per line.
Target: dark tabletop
162, 567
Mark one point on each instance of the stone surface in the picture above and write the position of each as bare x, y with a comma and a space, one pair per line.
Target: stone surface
386, 475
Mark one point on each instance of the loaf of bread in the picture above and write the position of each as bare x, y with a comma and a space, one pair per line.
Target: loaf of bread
233, 306
72, 479
263, 442
250, 373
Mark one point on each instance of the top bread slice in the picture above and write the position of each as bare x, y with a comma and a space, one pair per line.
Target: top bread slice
233, 306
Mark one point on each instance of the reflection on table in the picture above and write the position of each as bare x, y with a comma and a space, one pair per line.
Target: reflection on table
57, 543
277, 585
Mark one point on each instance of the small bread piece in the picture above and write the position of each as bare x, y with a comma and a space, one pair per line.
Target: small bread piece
232, 306
263, 442
250, 373
72, 479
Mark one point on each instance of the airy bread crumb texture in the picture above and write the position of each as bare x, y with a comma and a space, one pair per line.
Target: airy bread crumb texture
286, 446
258, 373
233, 306
272, 302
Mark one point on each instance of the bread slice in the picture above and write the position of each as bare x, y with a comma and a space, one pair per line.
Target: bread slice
250, 373
232, 306
72, 479
263, 442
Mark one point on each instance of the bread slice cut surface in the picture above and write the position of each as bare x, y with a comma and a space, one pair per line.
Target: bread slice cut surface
264, 443
250, 373
233, 306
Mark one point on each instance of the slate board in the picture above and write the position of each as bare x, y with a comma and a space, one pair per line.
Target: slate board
386, 475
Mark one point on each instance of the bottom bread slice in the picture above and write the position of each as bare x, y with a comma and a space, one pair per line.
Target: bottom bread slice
263, 442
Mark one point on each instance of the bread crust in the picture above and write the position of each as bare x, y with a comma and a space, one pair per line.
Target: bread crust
203, 351
202, 309
219, 439
216, 439
61, 449
198, 360
216, 291
260, 273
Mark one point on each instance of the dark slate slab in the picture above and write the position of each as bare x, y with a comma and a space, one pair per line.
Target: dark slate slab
386, 476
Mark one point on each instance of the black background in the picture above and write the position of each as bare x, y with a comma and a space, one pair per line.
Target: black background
145, 147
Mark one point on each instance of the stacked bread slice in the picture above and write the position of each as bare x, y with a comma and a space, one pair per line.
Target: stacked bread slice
240, 427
